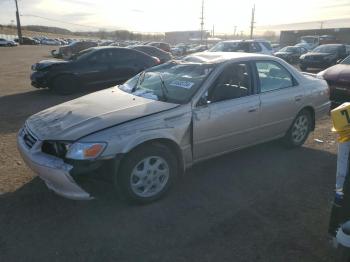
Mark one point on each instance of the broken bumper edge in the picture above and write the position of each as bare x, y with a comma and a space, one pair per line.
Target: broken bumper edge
54, 171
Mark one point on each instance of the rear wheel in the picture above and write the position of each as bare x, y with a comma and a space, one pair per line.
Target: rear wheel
147, 173
64, 85
300, 129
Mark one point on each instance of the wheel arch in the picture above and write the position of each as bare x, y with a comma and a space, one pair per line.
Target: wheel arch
311, 110
54, 77
169, 143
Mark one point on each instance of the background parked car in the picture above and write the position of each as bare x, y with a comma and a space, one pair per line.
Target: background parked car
161, 45
196, 49
338, 78
153, 51
28, 41
66, 52
247, 46
98, 66
50, 42
4, 42
323, 56
291, 54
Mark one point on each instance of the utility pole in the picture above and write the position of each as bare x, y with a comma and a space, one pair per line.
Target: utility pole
322, 22
19, 31
252, 23
213, 34
235, 31
202, 22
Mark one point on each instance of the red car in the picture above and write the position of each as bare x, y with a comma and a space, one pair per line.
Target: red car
338, 78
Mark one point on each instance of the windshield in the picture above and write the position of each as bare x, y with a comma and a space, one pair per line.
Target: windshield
346, 61
289, 49
173, 82
326, 49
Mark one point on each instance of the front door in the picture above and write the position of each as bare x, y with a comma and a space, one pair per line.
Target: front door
227, 117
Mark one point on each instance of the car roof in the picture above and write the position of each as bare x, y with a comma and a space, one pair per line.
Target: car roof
219, 57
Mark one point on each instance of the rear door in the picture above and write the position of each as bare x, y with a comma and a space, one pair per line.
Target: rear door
281, 98
227, 116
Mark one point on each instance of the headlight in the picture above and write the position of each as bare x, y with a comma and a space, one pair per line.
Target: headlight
85, 151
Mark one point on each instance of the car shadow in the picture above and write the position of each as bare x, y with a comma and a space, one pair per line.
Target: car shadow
14, 109
257, 202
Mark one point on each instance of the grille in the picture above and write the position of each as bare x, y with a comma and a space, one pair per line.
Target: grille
28, 138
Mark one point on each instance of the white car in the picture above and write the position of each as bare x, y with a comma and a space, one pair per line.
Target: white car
246, 46
4, 42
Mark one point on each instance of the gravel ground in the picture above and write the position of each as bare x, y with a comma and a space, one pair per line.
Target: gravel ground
265, 203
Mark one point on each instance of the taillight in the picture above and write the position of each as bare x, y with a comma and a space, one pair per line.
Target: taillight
157, 60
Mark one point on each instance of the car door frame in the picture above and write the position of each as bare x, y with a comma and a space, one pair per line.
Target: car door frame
205, 111
280, 127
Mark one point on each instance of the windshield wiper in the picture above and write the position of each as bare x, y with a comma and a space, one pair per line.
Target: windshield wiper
139, 81
163, 87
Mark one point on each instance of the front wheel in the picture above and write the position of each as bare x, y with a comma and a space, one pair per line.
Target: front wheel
147, 173
300, 129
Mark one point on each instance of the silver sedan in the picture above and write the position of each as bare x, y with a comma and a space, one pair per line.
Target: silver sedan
159, 123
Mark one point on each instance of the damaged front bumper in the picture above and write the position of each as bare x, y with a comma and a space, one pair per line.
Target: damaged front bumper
53, 170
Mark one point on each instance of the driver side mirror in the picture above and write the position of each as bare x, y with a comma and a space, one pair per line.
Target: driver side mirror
203, 101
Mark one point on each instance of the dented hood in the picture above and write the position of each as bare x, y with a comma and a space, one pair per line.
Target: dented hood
83, 116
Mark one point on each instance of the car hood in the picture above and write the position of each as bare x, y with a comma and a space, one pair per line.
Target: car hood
48, 63
80, 117
339, 73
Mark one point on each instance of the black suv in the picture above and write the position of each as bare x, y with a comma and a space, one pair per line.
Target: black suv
323, 56
97, 66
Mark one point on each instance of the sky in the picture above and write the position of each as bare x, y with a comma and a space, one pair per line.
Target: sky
174, 15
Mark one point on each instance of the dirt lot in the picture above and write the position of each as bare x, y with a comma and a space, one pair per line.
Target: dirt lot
264, 203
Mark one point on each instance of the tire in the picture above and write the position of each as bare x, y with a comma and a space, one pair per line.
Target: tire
64, 85
299, 130
141, 180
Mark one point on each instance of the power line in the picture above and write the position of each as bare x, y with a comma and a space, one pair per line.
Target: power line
63, 22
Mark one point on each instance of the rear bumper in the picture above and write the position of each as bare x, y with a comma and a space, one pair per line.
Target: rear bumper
54, 171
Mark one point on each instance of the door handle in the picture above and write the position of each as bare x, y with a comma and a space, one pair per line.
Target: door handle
298, 98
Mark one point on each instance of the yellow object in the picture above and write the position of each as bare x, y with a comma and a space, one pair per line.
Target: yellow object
341, 122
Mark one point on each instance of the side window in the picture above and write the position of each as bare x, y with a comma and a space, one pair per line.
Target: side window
234, 82
273, 76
